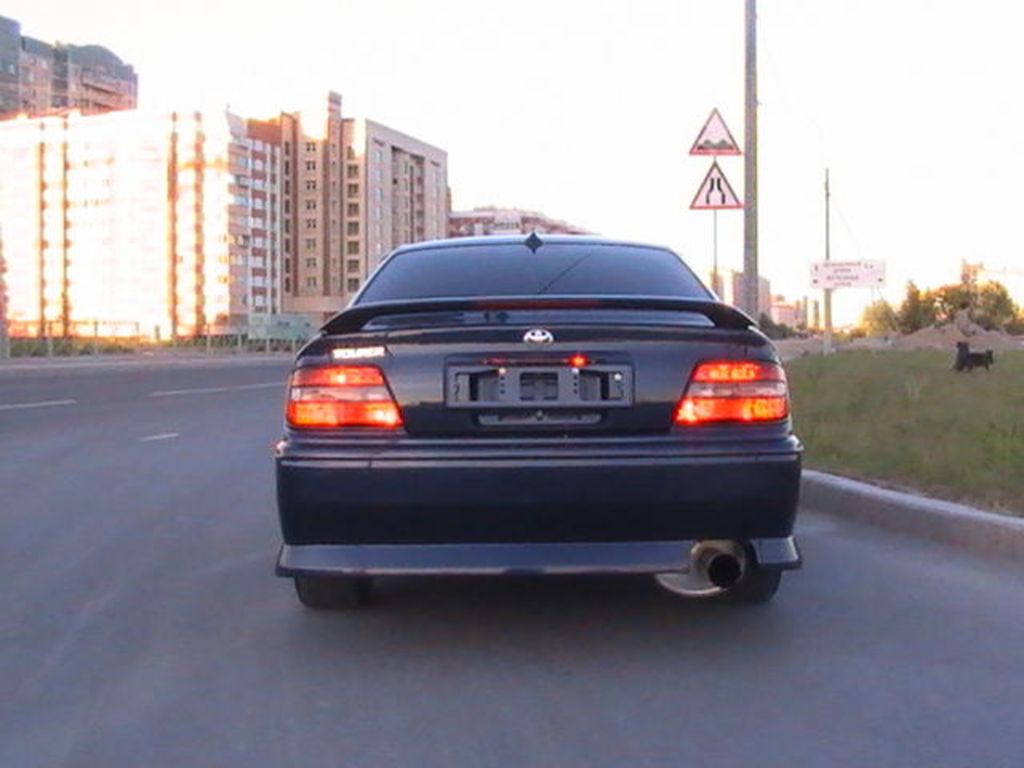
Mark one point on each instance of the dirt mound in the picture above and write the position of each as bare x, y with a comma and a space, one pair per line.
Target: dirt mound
946, 337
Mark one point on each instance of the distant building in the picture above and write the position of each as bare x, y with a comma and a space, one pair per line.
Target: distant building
308, 182
786, 313
38, 78
136, 223
733, 288
814, 322
396, 192
506, 221
191, 223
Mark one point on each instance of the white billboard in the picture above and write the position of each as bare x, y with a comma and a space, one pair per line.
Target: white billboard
847, 274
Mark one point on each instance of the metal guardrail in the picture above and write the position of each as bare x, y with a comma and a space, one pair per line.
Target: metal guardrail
101, 338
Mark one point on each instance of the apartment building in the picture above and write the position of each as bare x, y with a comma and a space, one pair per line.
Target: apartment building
38, 78
506, 221
309, 144
786, 312
396, 192
156, 224
733, 283
190, 223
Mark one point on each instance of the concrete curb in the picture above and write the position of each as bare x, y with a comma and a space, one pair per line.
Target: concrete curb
974, 530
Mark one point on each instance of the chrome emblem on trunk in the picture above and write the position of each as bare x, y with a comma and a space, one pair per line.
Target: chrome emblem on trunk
538, 336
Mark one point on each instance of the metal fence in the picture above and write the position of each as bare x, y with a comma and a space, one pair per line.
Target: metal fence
93, 337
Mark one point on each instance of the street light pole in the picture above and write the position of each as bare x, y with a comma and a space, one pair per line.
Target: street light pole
750, 282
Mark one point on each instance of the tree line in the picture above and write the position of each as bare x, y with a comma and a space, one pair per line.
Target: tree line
990, 306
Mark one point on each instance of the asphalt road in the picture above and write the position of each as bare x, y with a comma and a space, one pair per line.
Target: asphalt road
141, 625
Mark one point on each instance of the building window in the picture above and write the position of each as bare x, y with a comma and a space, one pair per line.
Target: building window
311, 165
310, 223
311, 282
311, 205
352, 267
310, 243
352, 284
353, 171
311, 146
310, 185
353, 228
352, 247
311, 262
353, 209
353, 190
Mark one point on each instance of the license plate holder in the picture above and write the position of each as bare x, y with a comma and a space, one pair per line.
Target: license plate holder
533, 386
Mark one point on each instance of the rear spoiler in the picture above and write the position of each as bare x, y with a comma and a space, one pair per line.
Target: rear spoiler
357, 316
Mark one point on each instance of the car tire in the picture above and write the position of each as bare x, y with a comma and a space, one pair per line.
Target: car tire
758, 586
333, 593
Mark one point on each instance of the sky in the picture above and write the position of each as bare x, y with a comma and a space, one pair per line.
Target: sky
586, 110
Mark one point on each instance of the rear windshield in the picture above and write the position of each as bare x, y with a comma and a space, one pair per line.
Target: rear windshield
513, 270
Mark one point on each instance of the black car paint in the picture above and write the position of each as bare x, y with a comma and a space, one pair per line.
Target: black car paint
445, 478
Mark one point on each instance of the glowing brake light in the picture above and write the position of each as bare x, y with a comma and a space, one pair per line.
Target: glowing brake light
579, 361
341, 396
743, 391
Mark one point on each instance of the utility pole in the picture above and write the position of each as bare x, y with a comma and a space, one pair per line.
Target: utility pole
715, 286
828, 257
750, 298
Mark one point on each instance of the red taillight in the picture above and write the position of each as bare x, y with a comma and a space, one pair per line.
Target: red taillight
341, 396
734, 391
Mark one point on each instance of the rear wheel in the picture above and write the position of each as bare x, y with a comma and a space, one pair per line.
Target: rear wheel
759, 585
333, 592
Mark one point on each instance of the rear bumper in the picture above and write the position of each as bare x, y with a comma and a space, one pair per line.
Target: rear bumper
638, 492
524, 559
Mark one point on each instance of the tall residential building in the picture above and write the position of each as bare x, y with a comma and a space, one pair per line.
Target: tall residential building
732, 291
187, 223
309, 143
506, 221
38, 78
396, 192
785, 312
161, 224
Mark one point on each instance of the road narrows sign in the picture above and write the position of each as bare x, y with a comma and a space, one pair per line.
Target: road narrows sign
715, 193
715, 138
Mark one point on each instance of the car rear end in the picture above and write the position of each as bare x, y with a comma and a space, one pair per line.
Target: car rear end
579, 406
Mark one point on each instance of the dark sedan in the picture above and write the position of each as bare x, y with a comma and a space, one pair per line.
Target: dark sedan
537, 405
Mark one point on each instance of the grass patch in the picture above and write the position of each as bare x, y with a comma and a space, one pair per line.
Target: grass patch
907, 420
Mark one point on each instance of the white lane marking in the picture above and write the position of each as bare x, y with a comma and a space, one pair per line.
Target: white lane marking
207, 390
161, 436
44, 404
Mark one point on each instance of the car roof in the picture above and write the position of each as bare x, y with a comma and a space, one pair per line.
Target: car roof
491, 240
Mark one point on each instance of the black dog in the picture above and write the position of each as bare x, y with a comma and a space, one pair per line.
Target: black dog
968, 361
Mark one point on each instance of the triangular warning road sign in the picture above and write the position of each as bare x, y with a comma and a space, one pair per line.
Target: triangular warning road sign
715, 138
715, 194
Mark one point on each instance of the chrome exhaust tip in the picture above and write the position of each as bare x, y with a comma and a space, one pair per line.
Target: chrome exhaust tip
722, 569
714, 567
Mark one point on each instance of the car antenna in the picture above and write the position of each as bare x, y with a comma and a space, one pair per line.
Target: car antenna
533, 242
